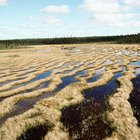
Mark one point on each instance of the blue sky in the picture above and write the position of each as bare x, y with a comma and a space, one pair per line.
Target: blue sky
58, 18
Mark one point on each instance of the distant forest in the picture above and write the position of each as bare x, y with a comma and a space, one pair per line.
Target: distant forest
122, 39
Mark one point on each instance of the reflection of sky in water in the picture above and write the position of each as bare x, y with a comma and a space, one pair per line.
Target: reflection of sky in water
119, 53
7, 82
38, 77
123, 68
102, 92
136, 63
27, 104
42, 76
78, 50
69, 80
65, 65
116, 51
105, 50
135, 54
120, 61
138, 71
134, 98
126, 52
91, 64
61, 68
76, 63
97, 75
43, 51
108, 61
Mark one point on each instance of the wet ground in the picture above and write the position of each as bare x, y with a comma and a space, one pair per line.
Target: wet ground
38, 77
36, 133
135, 98
87, 120
102, 92
135, 63
27, 104
84, 121
97, 75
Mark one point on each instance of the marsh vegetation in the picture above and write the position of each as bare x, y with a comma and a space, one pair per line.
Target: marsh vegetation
83, 91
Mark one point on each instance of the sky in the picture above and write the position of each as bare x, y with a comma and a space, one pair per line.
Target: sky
66, 18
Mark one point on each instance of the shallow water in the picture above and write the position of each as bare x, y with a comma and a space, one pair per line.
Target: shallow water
4, 83
65, 82
123, 68
42, 76
108, 62
65, 65
120, 61
97, 75
87, 119
28, 72
137, 71
102, 92
10, 81
126, 52
27, 104
67, 71
36, 133
38, 77
41, 86
119, 53
91, 65
135, 54
43, 51
69, 80
134, 98
76, 63
75, 68
136, 63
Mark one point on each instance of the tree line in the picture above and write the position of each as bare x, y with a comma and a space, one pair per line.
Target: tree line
121, 39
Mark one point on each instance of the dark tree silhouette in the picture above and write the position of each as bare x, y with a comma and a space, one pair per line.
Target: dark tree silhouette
18, 43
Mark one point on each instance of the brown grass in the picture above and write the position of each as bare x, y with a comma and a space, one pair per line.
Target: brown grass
49, 110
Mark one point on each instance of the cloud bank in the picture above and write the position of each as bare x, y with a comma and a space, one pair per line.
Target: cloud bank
114, 13
53, 9
3, 2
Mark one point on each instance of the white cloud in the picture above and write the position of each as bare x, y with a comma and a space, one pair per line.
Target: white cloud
101, 6
132, 3
51, 20
53, 9
3, 2
116, 20
114, 13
